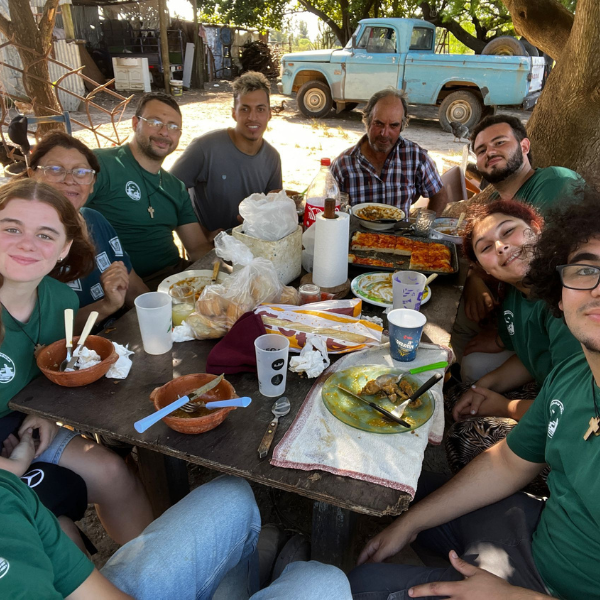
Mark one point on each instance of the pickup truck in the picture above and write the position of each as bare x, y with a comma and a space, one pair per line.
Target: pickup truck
400, 53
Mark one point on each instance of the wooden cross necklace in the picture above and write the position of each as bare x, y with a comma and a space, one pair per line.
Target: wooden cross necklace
158, 189
594, 421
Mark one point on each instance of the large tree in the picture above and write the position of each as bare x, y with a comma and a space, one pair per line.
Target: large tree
565, 125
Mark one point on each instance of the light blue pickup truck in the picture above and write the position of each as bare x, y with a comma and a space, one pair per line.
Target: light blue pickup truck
400, 53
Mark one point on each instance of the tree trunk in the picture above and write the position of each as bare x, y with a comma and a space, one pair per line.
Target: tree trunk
565, 126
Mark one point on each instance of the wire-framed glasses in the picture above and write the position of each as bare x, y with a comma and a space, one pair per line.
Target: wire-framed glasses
57, 174
579, 277
157, 124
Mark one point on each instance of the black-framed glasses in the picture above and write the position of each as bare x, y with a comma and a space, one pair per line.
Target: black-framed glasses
57, 174
579, 277
157, 124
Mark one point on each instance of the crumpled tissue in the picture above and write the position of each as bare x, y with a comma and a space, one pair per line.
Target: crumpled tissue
313, 358
121, 368
373, 319
182, 333
86, 358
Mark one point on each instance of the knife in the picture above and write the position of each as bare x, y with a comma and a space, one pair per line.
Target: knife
205, 388
91, 320
384, 412
399, 410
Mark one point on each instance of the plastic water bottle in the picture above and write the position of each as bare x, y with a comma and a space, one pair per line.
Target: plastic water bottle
322, 186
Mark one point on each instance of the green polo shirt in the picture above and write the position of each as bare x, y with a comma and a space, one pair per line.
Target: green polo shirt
46, 325
540, 340
37, 560
123, 193
566, 542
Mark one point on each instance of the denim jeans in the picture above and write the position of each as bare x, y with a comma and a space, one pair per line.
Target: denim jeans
208, 541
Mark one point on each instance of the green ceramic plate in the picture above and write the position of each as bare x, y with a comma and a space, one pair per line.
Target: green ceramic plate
357, 414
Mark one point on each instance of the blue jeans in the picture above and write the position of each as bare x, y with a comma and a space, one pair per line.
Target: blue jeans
208, 540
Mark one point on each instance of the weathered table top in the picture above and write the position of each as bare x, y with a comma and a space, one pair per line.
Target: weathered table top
110, 407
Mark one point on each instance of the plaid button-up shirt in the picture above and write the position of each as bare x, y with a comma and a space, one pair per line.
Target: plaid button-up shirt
408, 172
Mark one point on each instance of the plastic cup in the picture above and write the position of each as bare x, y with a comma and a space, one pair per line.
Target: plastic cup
408, 287
271, 363
183, 297
425, 219
405, 327
154, 316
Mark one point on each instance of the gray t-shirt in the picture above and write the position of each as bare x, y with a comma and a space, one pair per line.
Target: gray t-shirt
222, 176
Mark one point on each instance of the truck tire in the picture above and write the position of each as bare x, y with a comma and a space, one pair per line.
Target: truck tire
505, 46
314, 99
464, 107
531, 49
350, 106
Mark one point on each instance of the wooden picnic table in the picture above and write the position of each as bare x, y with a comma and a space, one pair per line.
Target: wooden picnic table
110, 407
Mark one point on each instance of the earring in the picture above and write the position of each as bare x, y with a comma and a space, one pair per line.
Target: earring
60, 260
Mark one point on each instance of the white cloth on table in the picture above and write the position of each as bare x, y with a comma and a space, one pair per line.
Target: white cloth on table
317, 440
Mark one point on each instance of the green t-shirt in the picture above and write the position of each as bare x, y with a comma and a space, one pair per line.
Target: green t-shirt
548, 186
540, 340
37, 560
46, 325
566, 543
124, 192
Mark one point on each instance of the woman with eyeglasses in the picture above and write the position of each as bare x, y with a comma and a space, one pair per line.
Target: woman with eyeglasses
70, 167
500, 237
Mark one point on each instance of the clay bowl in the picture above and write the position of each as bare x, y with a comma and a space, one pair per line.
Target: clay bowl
49, 358
184, 385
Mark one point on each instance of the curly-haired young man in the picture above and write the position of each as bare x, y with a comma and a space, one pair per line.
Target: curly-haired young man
512, 546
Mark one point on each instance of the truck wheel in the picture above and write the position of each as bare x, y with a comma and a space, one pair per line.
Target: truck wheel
463, 107
314, 99
505, 46
531, 49
350, 106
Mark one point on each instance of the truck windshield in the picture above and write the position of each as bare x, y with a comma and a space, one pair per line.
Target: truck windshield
421, 38
378, 40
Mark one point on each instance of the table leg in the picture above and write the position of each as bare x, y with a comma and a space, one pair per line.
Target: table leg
332, 532
164, 477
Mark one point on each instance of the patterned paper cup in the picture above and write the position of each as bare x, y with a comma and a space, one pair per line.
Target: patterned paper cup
406, 327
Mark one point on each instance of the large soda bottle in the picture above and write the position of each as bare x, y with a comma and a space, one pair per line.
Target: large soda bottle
322, 186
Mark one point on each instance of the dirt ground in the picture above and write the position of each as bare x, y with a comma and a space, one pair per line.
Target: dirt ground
301, 142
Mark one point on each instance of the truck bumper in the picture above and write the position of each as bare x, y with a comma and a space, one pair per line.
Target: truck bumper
530, 100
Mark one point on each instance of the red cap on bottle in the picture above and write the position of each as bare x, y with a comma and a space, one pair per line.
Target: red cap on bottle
325, 162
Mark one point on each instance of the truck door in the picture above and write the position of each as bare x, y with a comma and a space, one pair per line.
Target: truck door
373, 65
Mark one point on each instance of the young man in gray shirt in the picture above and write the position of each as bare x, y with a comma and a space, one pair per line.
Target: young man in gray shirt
225, 166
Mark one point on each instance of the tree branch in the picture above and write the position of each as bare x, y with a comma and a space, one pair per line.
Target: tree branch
48, 19
339, 33
5, 26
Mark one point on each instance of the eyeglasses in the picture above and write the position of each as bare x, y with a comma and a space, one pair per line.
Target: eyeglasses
156, 124
57, 174
579, 277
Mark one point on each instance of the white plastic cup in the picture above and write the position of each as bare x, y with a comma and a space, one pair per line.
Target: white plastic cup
408, 288
271, 363
154, 313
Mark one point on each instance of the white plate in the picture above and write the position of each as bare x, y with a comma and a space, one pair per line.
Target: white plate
166, 284
444, 223
382, 297
371, 224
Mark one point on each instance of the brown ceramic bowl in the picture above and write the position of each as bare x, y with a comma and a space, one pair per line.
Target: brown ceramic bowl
184, 385
49, 358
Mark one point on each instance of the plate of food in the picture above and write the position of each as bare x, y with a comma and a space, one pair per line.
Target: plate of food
445, 229
376, 289
196, 279
378, 217
363, 380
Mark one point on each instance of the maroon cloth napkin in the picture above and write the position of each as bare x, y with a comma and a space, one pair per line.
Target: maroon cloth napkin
235, 352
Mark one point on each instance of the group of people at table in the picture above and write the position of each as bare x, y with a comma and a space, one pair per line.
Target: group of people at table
527, 338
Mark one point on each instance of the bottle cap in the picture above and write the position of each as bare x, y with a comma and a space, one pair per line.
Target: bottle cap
325, 162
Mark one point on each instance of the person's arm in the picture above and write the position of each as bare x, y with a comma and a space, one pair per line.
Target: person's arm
275, 179
483, 402
194, 241
136, 288
438, 202
477, 297
492, 476
510, 375
96, 586
17, 453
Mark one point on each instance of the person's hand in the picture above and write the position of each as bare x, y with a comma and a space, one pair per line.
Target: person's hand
485, 341
387, 543
477, 584
115, 281
479, 300
47, 431
19, 450
481, 402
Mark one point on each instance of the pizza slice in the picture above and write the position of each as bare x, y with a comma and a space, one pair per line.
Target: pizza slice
386, 243
404, 246
364, 241
369, 262
427, 259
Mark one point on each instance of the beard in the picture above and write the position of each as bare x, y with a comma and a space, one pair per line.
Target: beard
513, 164
145, 145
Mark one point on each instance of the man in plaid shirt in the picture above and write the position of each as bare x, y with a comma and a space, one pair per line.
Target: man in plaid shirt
384, 167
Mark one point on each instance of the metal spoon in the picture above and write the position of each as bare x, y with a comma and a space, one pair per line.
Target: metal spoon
69, 337
279, 409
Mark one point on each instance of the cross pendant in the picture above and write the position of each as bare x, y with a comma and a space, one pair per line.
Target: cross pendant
151, 211
593, 428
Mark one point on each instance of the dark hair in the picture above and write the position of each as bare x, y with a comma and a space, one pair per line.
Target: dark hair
568, 229
60, 139
161, 97
380, 95
518, 129
512, 208
251, 81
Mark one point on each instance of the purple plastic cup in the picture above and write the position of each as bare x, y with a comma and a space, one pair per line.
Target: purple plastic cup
405, 327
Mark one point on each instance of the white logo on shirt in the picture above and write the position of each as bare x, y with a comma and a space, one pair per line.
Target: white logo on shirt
33, 478
556, 411
116, 246
75, 285
4, 566
7, 369
132, 189
96, 291
102, 261
509, 320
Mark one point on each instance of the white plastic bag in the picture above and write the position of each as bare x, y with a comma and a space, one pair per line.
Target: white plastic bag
271, 217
